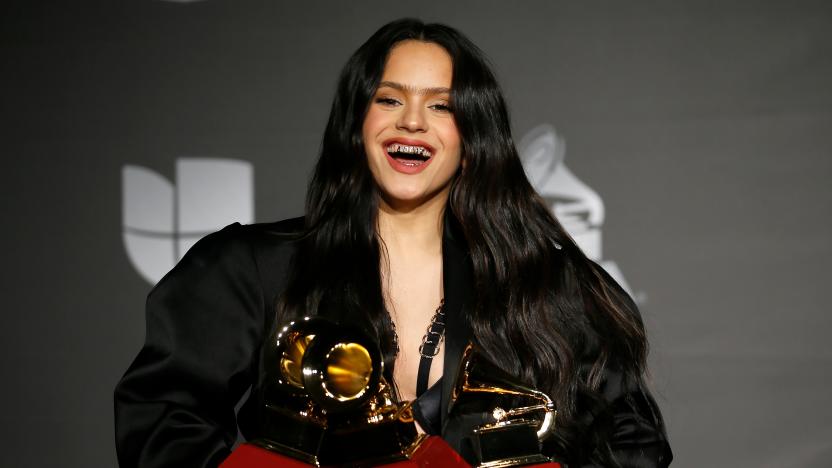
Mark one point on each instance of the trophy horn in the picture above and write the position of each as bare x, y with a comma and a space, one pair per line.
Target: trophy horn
513, 436
338, 368
314, 370
325, 398
479, 375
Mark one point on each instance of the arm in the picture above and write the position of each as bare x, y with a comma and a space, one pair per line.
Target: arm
629, 419
175, 404
622, 418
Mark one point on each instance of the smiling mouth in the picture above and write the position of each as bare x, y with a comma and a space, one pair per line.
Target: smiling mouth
409, 155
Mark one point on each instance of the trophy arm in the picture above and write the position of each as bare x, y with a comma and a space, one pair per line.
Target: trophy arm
547, 406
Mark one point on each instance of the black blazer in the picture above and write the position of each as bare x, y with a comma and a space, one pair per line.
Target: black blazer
206, 321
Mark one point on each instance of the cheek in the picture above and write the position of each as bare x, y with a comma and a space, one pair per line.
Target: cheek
450, 136
373, 124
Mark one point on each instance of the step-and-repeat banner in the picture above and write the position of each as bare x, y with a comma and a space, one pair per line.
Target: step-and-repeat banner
685, 146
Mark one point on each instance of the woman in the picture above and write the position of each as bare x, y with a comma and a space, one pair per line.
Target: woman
418, 207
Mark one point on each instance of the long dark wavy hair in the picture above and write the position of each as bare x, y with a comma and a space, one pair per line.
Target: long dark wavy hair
543, 311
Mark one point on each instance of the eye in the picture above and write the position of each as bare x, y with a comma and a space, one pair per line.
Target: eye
441, 107
387, 101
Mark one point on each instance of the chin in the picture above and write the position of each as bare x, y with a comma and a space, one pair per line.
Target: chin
401, 196
407, 198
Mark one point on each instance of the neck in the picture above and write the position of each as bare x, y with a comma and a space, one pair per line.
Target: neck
415, 231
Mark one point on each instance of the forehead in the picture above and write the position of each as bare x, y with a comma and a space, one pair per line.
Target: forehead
417, 64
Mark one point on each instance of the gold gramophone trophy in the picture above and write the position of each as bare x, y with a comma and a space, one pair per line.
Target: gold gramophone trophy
326, 401
513, 436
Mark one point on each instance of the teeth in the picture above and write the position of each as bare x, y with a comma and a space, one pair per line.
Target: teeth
399, 148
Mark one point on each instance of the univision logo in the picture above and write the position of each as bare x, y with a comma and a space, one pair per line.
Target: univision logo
162, 220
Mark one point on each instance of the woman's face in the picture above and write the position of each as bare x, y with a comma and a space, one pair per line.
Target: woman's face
410, 136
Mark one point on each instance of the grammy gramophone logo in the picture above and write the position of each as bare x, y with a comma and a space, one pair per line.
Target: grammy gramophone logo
577, 206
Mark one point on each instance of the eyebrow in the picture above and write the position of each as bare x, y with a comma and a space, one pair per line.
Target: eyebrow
413, 90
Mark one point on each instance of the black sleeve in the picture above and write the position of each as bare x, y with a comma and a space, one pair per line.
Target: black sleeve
175, 404
623, 412
629, 419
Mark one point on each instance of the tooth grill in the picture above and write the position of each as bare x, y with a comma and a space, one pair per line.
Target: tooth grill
397, 148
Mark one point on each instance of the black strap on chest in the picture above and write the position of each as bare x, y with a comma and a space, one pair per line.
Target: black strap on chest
430, 348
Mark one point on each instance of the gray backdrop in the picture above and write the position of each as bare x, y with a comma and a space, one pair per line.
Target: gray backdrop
701, 130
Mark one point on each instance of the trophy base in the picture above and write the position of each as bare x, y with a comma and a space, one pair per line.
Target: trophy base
377, 444
341, 443
513, 443
292, 436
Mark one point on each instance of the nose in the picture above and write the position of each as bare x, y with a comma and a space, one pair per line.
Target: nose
412, 119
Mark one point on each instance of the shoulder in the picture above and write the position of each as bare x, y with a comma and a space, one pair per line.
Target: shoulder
284, 229
252, 239
262, 249
258, 234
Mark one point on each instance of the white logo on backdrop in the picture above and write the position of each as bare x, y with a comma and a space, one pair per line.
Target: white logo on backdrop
578, 208
162, 220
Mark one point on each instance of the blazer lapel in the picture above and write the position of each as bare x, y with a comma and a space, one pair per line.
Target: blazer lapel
458, 286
